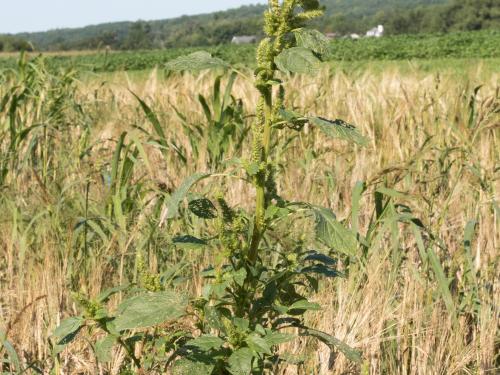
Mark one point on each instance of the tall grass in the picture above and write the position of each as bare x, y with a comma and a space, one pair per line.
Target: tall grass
85, 172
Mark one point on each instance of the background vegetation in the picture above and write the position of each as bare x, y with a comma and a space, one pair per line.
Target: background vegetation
477, 44
342, 16
419, 299
87, 171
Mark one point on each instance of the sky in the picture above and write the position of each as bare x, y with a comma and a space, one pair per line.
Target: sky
40, 15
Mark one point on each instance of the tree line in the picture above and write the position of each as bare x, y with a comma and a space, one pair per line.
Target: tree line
14, 44
343, 17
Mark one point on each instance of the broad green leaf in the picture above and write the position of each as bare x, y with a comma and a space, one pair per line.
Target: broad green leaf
103, 349
298, 60
292, 116
200, 60
241, 323
240, 362
252, 168
331, 341
293, 119
339, 129
181, 192
304, 305
66, 332
203, 208
334, 234
148, 310
275, 212
67, 328
189, 242
213, 318
206, 342
240, 276
258, 344
313, 40
187, 366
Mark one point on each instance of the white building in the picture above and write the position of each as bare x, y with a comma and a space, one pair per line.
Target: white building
244, 39
376, 32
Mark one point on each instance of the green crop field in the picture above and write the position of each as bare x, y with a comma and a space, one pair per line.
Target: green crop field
300, 207
463, 45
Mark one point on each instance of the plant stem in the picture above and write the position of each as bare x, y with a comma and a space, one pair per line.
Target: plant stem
260, 181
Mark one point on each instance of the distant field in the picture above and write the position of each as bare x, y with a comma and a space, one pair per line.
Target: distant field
464, 45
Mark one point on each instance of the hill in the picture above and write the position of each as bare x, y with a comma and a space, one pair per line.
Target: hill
343, 16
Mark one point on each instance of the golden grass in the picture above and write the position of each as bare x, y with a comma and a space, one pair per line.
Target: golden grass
422, 145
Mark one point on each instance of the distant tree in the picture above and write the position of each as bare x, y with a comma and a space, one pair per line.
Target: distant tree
139, 36
14, 44
475, 14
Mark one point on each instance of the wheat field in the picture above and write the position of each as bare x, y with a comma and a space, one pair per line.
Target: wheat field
416, 301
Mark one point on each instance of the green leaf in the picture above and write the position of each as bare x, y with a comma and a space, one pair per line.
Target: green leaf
213, 318
103, 349
318, 257
339, 129
200, 60
313, 40
298, 60
153, 119
203, 208
331, 341
240, 276
148, 310
275, 212
321, 269
66, 332
181, 192
443, 284
304, 305
293, 119
13, 360
258, 344
240, 362
67, 328
391, 193
241, 323
334, 234
187, 366
206, 342
292, 116
189, 242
